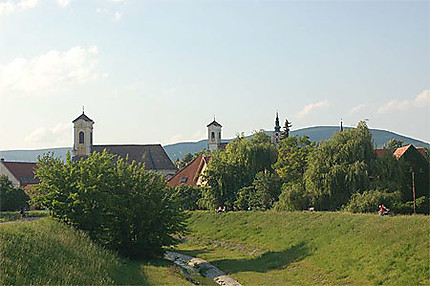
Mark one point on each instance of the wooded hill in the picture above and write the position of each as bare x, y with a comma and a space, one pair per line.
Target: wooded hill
178, 150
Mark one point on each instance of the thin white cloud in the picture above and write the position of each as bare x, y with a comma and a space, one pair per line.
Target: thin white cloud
102, 10
48, 72
117, 17
9, 7
311, 107
198, 135
421, 100
356, 109
59, 135
63, 3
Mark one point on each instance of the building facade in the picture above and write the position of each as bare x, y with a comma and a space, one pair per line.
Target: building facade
153, 156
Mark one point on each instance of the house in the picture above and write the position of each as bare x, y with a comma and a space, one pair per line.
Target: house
417, 173
21, 174
402, 151
191, 174
152, 155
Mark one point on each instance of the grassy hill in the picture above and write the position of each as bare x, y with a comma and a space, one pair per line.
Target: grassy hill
47, 252
299, 248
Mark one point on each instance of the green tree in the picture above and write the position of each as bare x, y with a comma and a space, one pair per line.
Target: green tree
393, 144
185, 160
262, 194
293, 197
287, 127
235, 168
339, 167
11, 199
120, 205
292, 158
185, 196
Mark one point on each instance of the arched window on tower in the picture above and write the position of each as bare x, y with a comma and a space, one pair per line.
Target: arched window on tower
212, 135
81, 137
219, 135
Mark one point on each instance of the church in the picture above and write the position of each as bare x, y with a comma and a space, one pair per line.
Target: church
152, 155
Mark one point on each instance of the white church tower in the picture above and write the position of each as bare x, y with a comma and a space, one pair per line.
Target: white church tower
214, 135
82, 136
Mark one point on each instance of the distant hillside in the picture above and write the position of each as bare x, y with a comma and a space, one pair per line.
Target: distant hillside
178, 150
317, 133
31, 155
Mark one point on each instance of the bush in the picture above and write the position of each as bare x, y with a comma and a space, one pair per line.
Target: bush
262, 194
11, 199
293, 197
368, 201
185, 196
120, 205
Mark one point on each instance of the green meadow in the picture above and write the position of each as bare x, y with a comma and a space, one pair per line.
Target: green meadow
302, 248
255, 248
47, 252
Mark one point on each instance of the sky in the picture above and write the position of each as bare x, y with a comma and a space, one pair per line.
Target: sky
159, 71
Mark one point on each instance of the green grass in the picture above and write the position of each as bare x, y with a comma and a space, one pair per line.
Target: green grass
301, 248
47, 252
12, 216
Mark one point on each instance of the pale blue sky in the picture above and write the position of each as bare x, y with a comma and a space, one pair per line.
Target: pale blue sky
157, 71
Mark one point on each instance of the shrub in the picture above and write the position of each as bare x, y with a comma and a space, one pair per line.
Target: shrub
293, 197
368, 201
11, 198
262, 194
120, 205
185, 196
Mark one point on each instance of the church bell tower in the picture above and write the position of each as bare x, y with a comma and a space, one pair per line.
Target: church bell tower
214, 135
277, 133
82, 136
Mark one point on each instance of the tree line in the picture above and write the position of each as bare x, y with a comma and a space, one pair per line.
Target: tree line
342, 173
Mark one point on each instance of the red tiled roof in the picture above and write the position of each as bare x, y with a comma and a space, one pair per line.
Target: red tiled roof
400, 151
22, 171
423, 152
190, 173
382, 152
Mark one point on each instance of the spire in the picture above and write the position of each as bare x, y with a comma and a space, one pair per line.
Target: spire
277, 126
83, 109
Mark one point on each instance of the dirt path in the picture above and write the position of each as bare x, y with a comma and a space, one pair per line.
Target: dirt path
20, 220
198, 266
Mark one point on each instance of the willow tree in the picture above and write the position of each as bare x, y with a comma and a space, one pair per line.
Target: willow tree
235, 168
340, 167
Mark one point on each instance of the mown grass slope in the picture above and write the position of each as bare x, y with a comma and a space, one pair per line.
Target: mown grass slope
47, 252
301, 248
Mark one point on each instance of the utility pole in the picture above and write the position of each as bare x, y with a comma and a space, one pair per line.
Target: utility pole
413, 190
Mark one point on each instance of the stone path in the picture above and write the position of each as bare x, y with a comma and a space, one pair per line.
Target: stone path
198, 266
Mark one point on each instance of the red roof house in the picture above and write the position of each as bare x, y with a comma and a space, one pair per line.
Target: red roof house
190, 174
20, 173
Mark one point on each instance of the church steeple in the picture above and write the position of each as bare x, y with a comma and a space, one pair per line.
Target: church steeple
214, 135
277, 126
82, 135
277, 132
